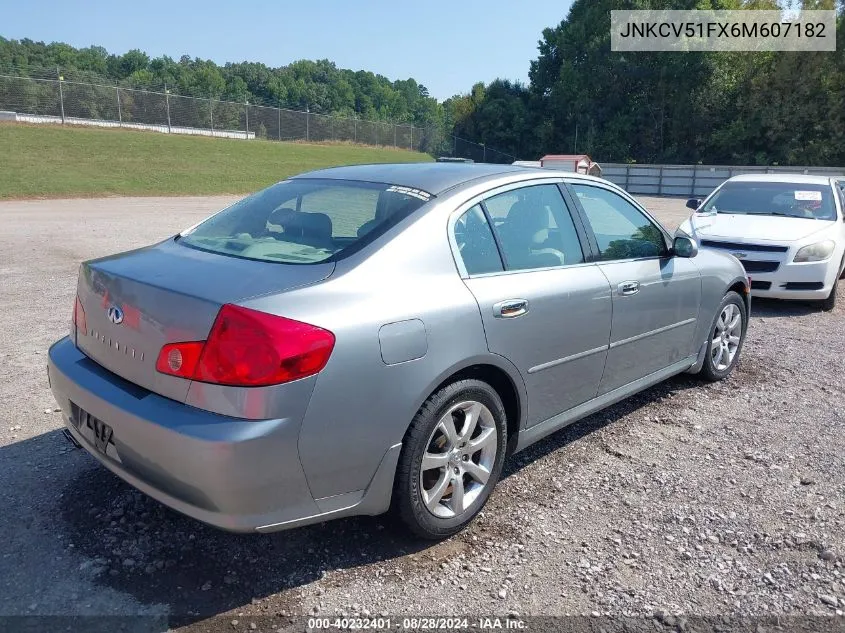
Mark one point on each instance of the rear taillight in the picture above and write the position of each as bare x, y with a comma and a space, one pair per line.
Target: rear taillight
248, 348
251, 348
79, 316
179, 359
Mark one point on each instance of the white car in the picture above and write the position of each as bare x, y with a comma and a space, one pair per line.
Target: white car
787, 230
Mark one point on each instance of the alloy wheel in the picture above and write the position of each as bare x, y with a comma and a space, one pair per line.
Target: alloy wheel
458, 459
726, 337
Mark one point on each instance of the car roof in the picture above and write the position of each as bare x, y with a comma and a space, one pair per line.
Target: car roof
432, 177
788, 178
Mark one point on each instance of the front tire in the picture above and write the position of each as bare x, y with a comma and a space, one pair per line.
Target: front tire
451, 459
828, 304
727, 336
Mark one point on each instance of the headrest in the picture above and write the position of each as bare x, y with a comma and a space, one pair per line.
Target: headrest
529, 221
367, 226
303, 224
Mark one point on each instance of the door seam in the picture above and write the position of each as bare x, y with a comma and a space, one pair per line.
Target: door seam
609, 331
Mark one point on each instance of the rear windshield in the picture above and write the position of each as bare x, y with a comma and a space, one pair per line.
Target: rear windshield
794, 200
305, 221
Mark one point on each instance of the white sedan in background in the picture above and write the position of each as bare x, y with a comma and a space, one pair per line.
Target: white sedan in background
787, 230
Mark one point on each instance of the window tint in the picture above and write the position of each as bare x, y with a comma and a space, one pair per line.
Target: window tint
304, 221
621, 230
476, 244
534, 228
349, 208
498, 206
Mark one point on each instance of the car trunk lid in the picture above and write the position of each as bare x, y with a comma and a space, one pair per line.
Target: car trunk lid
138, 301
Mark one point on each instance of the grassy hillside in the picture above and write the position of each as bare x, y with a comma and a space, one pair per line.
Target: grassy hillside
52, 161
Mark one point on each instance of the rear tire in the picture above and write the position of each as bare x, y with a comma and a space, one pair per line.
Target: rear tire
726, 338
451, 459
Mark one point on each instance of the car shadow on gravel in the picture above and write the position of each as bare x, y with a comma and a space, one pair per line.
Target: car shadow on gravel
601, 419
135, 545
772, 308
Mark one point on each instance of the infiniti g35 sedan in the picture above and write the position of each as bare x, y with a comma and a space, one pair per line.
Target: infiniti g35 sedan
366, 338
788, 231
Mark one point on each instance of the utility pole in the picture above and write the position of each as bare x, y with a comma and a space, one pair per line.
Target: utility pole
119, 113
167, 102
307, 124
246, 113
61, 94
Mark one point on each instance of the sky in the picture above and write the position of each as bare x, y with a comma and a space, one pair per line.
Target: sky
446, 46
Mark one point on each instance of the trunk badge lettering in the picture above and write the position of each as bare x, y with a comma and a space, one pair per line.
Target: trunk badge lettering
116, 345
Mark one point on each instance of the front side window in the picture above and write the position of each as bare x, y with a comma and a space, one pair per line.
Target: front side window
792, 200
622, 231
534, 228
305, 221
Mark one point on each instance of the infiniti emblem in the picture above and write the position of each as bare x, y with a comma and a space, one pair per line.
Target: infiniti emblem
739, 255
115, 315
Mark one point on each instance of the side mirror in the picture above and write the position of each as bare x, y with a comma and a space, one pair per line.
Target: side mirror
684, 247
693, 203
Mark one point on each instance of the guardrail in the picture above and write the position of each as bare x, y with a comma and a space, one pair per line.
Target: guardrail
149, 127
692, 181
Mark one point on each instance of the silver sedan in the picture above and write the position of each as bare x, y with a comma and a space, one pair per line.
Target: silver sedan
368, 337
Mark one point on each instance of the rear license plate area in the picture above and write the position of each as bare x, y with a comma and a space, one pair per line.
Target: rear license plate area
92, 428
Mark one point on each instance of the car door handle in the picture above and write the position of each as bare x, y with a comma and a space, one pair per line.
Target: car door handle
510, 308
628, 287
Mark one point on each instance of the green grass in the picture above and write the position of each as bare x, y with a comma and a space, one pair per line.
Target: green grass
52, 161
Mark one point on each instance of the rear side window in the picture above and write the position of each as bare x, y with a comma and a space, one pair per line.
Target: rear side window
476, 243
305, 221
534, 228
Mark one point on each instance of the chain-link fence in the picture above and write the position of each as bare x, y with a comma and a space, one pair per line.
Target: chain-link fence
42, 100
51, 100
462, 148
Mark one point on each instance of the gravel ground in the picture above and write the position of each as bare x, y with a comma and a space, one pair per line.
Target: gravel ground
688, 499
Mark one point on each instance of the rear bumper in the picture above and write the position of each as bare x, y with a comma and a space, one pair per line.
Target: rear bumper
235, 474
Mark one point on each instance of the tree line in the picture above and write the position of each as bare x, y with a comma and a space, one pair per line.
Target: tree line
319, 86
760, 108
